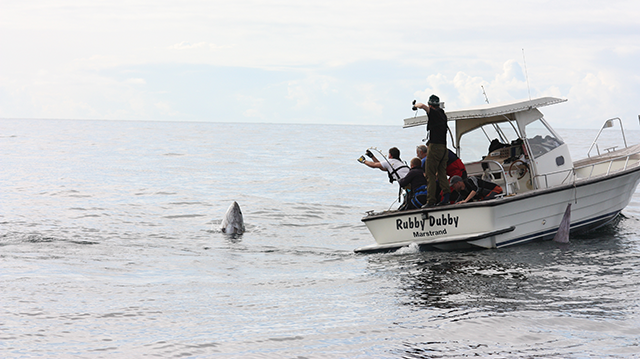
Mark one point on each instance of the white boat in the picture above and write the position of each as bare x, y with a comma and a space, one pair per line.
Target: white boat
539, 180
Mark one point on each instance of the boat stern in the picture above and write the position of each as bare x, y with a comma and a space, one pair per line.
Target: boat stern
434, 226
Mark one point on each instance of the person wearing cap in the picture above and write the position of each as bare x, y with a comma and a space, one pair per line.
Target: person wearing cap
437, 155
472, 188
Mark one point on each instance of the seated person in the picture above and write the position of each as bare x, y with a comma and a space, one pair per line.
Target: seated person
472, 189
417, 185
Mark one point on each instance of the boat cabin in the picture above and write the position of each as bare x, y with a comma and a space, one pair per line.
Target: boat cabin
509, 144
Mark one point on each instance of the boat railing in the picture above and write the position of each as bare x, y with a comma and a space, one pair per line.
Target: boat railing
500, 170
608, 123
609, 162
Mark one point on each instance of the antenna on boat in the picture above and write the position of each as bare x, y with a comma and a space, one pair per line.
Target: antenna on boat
485, 94
526, 74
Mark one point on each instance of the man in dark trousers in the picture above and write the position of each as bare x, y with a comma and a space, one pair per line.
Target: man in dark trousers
438, 153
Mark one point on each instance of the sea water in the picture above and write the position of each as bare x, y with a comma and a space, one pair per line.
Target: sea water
110, 247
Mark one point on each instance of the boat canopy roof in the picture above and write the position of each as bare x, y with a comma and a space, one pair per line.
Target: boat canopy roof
523, 112
490, 112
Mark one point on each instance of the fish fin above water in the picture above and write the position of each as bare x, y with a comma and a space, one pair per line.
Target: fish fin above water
562, 236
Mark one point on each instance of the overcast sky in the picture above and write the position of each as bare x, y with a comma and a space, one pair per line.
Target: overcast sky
339, 62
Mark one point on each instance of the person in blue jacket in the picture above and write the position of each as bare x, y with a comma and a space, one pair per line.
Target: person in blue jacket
417, 185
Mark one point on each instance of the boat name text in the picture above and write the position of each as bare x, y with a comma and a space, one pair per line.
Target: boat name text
419, 223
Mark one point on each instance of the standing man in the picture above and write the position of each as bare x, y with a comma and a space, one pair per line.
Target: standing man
438, 154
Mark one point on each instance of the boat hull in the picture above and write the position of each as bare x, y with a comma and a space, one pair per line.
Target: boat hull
501, 222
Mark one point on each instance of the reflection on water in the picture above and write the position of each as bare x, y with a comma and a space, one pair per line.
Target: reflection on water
520, 278
111, 247
541, 299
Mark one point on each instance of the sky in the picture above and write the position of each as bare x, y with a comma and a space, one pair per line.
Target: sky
333, 62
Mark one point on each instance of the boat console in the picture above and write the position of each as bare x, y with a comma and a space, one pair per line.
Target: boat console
505, 165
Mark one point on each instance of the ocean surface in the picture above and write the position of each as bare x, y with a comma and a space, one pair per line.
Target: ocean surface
110, 247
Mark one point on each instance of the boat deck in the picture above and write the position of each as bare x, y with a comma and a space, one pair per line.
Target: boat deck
608, 163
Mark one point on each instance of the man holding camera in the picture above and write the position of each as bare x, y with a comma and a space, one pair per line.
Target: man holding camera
393, 164
438, 154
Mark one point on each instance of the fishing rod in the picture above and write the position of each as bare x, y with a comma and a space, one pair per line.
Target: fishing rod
391, 174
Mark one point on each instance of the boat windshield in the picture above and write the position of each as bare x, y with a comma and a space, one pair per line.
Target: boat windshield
541, 138
474, 145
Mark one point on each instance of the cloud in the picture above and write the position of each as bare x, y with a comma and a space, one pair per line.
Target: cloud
370, 101
464, 90
187, 46
308, 90
321, 61
135, 82
165, 108
252, 112
199, 45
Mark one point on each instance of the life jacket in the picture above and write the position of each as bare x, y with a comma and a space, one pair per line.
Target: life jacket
395, 172
422, 190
